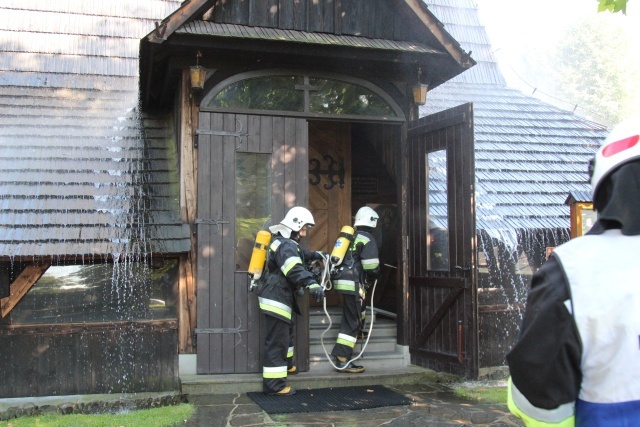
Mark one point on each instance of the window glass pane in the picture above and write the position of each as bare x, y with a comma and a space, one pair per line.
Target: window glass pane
335, 97
262, 93
589, 217
101, 292
253, 202
437, 211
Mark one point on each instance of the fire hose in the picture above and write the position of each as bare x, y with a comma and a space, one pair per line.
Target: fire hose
326, 284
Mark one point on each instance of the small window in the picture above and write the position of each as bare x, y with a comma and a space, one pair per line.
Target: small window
253, 202
336, 97
304, 94
437, 211
125, 290
277, 93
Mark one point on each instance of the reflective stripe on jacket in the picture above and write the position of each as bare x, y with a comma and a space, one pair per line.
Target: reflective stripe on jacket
362, 262
285, 272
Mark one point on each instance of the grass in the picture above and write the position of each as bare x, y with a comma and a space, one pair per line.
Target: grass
483, 394
165, 416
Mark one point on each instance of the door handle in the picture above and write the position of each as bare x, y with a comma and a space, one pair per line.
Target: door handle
464, 270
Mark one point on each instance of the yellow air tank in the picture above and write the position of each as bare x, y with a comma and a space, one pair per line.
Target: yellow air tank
259, 255
342, 245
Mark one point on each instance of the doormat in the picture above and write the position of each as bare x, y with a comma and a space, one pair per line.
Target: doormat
330, 399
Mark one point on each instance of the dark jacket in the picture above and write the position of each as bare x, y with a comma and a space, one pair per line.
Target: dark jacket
285, 273
360, 265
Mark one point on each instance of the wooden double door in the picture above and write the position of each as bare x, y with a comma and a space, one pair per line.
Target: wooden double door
252, 169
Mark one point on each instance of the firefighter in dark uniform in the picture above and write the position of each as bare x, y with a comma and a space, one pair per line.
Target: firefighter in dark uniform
576, 359
286, 276
360, 268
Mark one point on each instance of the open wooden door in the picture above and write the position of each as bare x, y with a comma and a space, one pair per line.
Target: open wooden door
251, 170
443, 320
329, 188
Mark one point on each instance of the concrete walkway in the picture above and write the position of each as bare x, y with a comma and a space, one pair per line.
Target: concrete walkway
433, 404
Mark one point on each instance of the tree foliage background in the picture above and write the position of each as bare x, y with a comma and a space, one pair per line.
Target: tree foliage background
596, 66
568, 54
612, 6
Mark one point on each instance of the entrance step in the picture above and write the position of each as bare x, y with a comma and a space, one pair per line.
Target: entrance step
243, 383
385, 362
381, 351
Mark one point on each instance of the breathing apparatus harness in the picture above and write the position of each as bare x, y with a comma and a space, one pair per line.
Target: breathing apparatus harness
331, 264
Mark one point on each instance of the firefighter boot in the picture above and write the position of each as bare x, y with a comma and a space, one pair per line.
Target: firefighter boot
349, 368
286, 391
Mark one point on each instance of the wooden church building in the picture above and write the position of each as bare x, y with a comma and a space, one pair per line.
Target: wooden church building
145, 142
315, 104
145, 146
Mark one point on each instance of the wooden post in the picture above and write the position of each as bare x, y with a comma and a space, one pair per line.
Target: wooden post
21, 286
188, 197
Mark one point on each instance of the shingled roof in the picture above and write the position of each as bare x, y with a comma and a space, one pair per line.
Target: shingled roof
82, 172
394, 36
529, 155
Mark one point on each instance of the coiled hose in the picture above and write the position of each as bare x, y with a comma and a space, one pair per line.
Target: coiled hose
326, 284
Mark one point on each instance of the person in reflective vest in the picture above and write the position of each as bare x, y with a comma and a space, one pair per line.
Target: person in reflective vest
285, 277
576, 359
360, 267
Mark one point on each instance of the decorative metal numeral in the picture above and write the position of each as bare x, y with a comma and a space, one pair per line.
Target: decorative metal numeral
335, 170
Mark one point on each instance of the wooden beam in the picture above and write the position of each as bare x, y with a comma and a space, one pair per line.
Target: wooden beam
436, 27
186, 12
21, 286
188, 196
89, 328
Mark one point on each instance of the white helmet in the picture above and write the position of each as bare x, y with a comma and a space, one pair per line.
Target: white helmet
366, 217
621, 146
294, 220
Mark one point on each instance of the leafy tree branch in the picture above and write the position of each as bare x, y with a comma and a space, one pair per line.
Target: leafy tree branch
613, 6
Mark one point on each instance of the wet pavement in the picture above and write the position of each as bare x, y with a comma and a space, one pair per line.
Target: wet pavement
433, 404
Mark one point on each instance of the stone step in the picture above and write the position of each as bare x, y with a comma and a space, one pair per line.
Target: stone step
381, 350
243, 383
375, 344
385, 362
379, 329
316, 313
380, 359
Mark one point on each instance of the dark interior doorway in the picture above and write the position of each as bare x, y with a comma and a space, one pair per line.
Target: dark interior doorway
348, 170
374, 185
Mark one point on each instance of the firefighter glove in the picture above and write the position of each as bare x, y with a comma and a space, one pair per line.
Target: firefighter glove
319, 255
316, 291
368, 282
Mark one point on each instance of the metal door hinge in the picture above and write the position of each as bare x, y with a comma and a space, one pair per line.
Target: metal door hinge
237, 134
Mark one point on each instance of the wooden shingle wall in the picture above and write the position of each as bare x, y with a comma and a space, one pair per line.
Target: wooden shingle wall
373, 18
461, 20
81, 171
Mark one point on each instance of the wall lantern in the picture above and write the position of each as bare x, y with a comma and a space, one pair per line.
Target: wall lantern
420, 94
420, 91
197, 74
